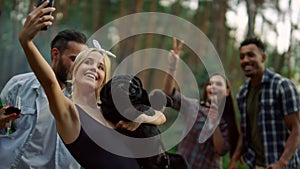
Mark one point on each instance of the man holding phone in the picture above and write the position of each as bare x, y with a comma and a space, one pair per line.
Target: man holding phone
35, 142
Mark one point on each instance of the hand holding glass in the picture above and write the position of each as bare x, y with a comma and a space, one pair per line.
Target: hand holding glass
12, 109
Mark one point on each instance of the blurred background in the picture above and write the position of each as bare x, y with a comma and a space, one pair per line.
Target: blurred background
225, 22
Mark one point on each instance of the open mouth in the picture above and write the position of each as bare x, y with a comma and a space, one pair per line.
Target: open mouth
92, 76
213, 93
248, 67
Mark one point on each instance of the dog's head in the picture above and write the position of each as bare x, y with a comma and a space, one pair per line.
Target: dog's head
123, 93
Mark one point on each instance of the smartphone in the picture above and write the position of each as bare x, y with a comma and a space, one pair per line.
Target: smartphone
11, 110
51, 4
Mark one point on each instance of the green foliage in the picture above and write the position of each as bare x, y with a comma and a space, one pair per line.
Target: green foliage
226, 161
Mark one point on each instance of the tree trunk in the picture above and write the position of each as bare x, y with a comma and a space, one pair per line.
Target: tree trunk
251, 17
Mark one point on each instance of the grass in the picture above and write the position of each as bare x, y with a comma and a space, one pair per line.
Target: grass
226, 161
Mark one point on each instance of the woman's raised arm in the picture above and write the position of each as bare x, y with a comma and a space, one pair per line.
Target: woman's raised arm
61, 107
173, 59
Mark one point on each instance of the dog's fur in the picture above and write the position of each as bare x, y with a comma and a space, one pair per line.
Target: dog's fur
133, 100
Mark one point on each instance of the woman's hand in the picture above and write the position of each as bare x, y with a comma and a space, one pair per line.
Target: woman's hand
130, 125
175, 53
173, 57
35, 21
177, 48
157, 119
212, 108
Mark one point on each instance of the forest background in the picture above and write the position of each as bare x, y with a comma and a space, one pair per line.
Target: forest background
225, 23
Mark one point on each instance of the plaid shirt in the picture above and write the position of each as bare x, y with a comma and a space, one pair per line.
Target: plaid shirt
278, 97
199, 156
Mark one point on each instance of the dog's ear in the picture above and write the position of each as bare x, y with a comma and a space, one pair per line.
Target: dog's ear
107, 105
105, 94
145, 98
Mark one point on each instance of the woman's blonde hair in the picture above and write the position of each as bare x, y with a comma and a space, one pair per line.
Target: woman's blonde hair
82, 56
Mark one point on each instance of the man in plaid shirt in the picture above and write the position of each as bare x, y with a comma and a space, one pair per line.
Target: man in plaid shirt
270, 119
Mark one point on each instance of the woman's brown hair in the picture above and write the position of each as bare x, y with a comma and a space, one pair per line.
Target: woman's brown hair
229, 114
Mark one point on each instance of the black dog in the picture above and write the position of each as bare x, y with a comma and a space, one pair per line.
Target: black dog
125, 94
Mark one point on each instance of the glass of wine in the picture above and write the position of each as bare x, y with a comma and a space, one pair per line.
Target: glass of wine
13, 108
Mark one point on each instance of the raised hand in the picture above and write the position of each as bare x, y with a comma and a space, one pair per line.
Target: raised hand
175, 53
35, 21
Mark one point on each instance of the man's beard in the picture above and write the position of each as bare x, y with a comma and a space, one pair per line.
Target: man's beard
61, 72
62, 77
247, 74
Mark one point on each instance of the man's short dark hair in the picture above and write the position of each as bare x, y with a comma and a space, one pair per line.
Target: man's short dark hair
253, 40
61, 40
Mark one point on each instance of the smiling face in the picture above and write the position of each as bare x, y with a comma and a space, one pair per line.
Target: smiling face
91, 71
216, 88
252, 60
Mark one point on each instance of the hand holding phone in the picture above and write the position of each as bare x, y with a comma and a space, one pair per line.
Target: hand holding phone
51, 4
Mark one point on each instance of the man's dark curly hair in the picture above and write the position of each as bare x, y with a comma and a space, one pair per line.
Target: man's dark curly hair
60, 41
253, 40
